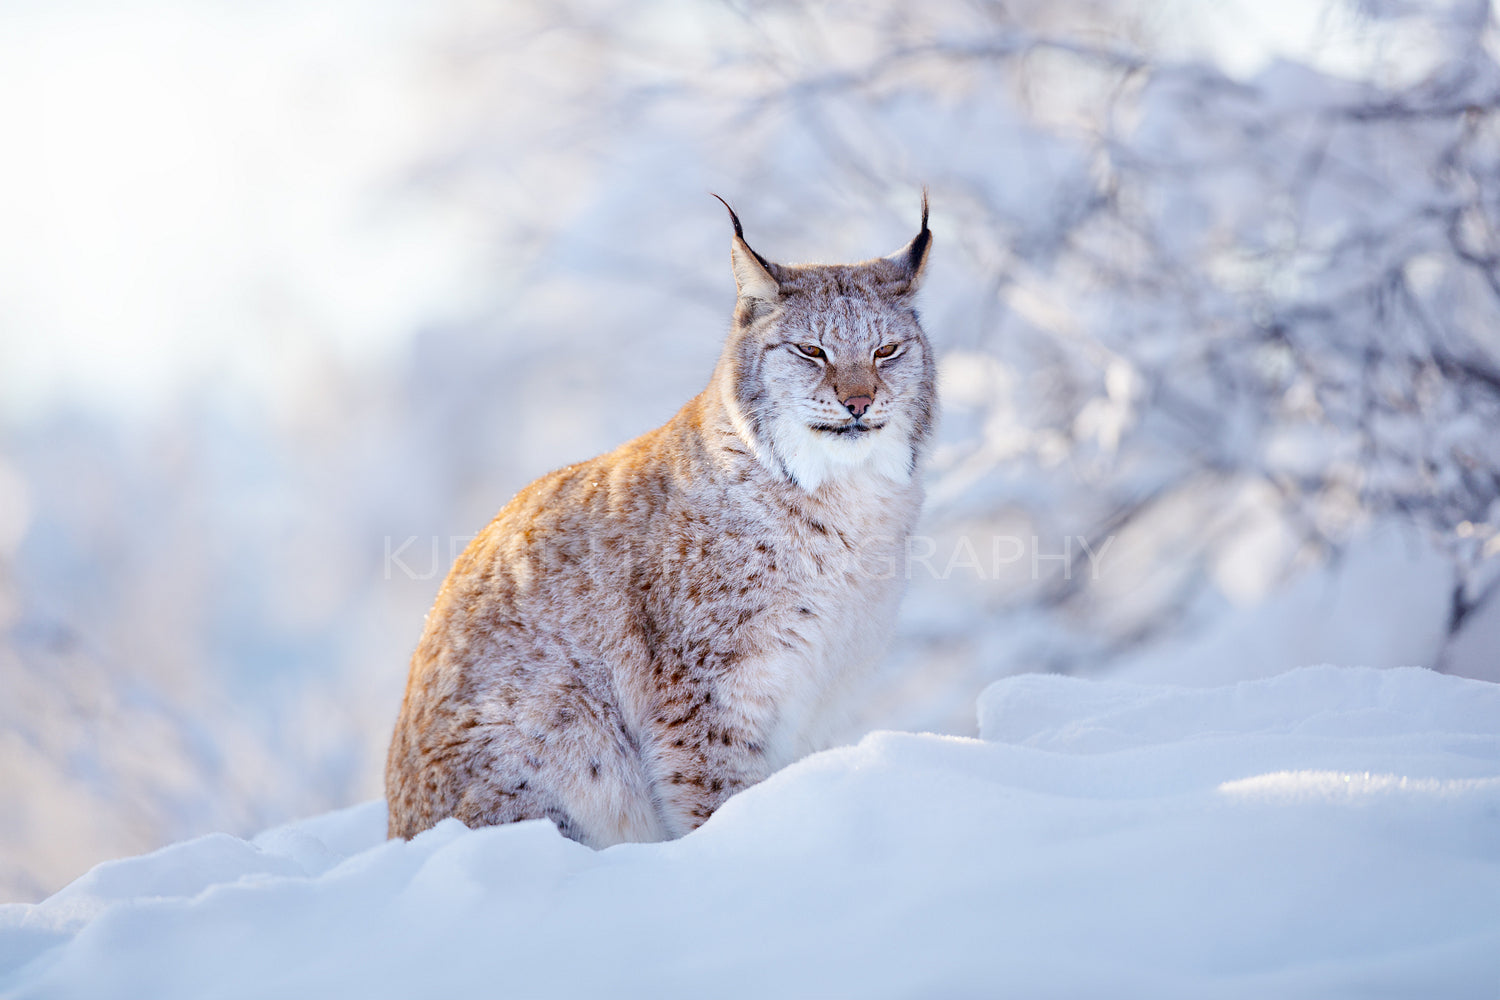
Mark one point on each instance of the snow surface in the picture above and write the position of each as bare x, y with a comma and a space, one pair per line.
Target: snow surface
1326, 832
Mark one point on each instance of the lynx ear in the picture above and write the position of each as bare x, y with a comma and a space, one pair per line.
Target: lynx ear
906, 265
752, 272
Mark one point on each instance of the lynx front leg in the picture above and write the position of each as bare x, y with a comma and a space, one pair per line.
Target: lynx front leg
694, 786
703, 756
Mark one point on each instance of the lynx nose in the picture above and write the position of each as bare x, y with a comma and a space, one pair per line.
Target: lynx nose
857, 405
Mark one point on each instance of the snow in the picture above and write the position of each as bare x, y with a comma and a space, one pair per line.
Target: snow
1330, 831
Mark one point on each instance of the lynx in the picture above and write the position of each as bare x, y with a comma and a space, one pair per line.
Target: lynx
635, 638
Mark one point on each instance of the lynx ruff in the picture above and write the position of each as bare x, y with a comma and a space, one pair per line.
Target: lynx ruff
635, 638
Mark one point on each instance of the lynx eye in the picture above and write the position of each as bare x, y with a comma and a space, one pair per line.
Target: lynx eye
811, 350
887, 351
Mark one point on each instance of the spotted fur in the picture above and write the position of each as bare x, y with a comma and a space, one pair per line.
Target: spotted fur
635, 638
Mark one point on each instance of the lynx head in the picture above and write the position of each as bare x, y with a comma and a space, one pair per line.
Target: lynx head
827, 372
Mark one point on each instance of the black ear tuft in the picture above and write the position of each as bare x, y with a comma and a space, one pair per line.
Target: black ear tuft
739, 230
919, 243
739, 234
902, 270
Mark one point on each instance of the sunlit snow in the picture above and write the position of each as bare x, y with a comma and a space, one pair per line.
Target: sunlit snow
1327, 832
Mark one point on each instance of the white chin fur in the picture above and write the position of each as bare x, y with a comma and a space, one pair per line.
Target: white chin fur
815, 457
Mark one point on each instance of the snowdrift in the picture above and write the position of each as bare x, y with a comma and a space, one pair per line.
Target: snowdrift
1327, 832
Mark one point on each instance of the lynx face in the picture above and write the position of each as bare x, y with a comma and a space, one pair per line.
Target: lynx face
828, 366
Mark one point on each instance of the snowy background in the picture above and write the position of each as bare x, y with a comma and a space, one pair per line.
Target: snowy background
294, 296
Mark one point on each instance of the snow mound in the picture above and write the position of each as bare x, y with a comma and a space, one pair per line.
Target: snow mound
1327, 832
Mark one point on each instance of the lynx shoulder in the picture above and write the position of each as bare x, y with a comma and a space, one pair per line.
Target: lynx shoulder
635, 638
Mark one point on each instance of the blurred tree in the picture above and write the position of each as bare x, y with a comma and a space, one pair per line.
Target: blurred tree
1232, 323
